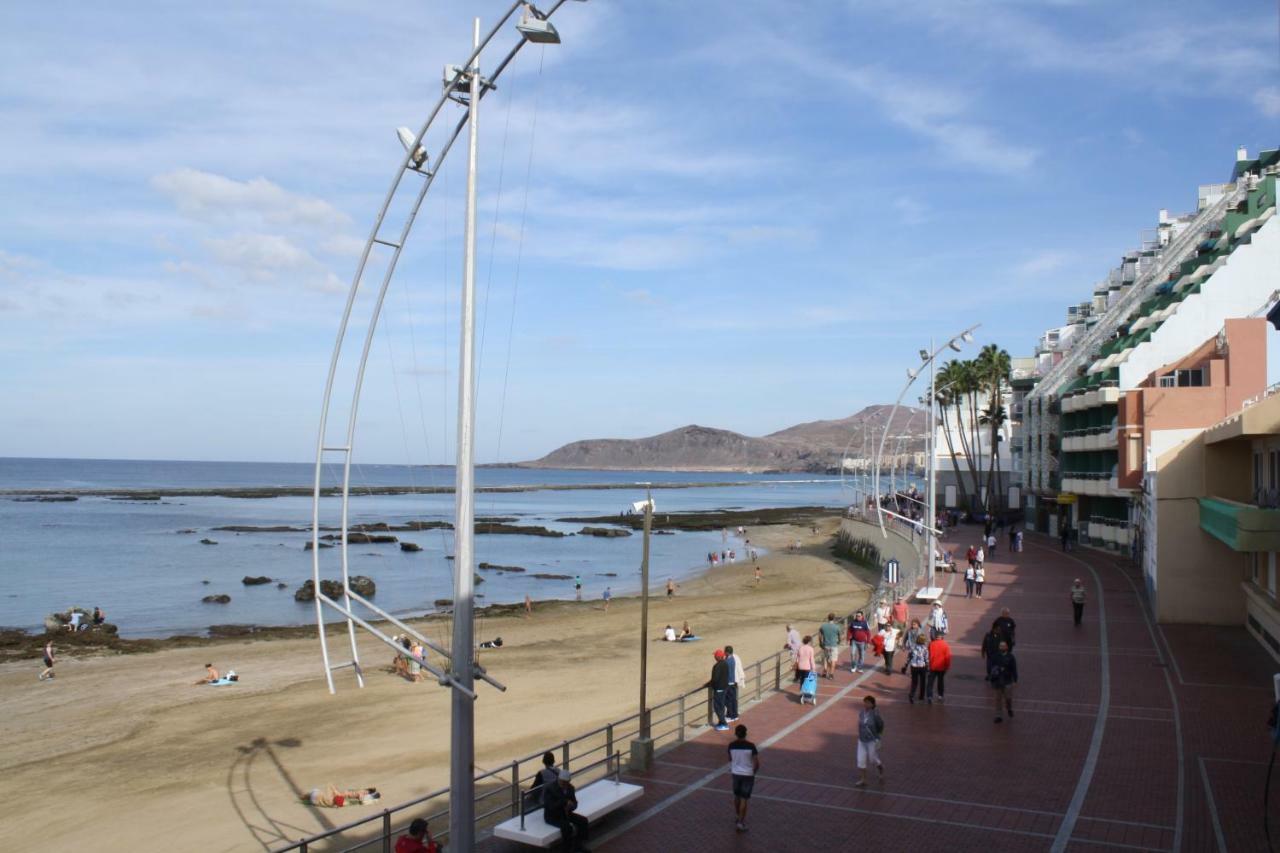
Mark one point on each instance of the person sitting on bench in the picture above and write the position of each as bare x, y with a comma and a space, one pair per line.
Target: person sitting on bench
558, 804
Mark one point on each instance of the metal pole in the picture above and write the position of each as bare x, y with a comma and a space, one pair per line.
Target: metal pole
462, 804
933, 473
644, 616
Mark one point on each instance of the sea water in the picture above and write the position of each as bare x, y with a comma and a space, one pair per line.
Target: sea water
129, 558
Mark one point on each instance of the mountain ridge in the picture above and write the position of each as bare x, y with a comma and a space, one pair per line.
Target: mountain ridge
813, 446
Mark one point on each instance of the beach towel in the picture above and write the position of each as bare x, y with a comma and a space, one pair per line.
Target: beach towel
221, 682
689, 639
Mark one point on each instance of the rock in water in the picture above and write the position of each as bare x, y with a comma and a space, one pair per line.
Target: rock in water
281, 585
248, 580
363, 585
216, 599
307, 547
410, 546
606, 532
208, 542
306, 592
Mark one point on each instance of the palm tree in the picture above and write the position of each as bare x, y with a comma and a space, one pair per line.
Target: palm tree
993, 368
948, 382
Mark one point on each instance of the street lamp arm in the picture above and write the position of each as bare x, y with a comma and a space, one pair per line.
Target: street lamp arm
965, 336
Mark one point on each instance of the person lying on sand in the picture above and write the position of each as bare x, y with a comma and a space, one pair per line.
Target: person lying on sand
495, 643
210, 675
333, 797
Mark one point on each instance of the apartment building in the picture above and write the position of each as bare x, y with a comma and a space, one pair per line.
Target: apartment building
1151, 358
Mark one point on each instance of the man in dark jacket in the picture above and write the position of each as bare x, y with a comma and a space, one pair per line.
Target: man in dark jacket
719, 684
558, 804
1006, 626
1002, 672
859, 636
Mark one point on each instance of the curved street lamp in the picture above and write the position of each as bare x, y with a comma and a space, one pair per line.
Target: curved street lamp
927, 358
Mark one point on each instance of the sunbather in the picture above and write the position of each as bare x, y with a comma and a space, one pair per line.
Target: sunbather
210, 675
333, 797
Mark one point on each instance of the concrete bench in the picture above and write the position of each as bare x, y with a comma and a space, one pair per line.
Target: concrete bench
594, 802
929, 593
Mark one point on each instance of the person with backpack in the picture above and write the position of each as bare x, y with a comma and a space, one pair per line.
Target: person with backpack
870, 728
1002, 672
937, 621
859, 636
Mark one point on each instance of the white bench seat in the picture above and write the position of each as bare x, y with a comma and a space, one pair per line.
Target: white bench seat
594, 801
929, 593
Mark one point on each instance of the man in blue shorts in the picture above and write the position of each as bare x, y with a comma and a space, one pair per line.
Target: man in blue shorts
744, 764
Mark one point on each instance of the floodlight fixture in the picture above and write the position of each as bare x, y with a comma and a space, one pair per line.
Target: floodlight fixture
912, 374
967, 337
924, 355
955, 346
534, 26
410, 143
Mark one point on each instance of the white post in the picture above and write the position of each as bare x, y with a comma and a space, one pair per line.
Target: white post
933, 472
462, 756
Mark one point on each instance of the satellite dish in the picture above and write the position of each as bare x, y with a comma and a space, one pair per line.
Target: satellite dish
409, 141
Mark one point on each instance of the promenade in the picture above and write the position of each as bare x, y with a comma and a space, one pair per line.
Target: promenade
1127, 735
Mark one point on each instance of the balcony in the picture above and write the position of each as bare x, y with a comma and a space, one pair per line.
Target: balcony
1240, 526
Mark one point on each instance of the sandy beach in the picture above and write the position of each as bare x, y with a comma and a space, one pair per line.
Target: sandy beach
121, 752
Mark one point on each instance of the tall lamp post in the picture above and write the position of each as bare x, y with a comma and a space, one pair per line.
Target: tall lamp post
642, 746
927, 358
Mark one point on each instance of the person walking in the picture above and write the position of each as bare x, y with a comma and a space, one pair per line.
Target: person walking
859, 635
1002, 672
804, 659
607, 595
991, 640
829, 639
1013, 539
719, 684
937, 621
901, 613
671, 587
1018, 542
991, 544
870, 729
528, 606
1006, 626
909, 643
889, 639
919, 659
939, 664
753, 559
744, 764
882, 615
1065, 536
979, 577
972, 556
737, 677
1077, 600
970, 574
49, 661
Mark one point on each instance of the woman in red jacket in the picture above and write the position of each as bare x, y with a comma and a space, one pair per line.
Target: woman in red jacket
939, 663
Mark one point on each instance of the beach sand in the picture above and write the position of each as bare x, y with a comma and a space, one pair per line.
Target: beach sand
121, 752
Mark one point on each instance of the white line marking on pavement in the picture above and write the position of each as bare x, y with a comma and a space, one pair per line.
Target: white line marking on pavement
1068, 824
1213, 809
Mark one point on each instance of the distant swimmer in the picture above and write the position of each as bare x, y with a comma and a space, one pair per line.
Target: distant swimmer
671, 587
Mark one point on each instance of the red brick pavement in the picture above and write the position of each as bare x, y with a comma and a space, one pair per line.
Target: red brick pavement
1159, 744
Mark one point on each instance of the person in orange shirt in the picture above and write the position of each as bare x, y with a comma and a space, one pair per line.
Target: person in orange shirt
939, 663
901, 615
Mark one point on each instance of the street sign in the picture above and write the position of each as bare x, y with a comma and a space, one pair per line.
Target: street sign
891, 571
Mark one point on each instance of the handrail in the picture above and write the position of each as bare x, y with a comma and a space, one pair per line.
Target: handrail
684, 715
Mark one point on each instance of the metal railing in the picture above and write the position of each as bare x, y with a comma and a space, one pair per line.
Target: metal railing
590, 756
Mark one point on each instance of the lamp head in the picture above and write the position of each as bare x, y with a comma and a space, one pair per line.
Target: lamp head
924, 355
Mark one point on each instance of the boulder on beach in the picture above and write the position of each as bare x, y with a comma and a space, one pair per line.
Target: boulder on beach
208, 542
410, 546
216, 599
604, 532
249, 580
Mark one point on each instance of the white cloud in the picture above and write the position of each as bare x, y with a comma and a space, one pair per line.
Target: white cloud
205, 195
1268, 101
1043, 262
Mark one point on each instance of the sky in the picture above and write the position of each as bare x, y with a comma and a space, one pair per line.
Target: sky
743, 215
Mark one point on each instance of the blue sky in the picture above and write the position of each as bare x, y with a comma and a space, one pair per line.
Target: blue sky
742, 215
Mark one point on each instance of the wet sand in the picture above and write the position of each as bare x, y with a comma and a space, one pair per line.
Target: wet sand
121, 752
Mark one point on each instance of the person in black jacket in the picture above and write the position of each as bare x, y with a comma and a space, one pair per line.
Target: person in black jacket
719, 684
1002, 672
559, 802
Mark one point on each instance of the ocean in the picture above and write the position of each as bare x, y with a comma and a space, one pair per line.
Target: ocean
129, 558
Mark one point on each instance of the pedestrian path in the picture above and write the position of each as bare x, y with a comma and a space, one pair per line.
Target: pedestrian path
1127, 735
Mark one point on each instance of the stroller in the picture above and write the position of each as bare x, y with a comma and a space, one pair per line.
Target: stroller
809, 688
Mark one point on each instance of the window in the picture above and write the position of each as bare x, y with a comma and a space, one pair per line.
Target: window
1133, 459
1184, 379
